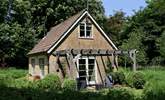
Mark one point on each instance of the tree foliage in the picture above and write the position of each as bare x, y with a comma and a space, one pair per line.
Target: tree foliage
24, 22
113, 26
143, 32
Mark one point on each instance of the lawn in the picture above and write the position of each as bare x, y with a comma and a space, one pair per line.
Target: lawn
14, 81
13, 73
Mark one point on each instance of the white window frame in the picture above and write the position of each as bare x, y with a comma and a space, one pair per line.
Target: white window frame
87, 69
42, 70
85, 30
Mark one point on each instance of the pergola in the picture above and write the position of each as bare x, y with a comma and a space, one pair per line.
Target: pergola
73, 54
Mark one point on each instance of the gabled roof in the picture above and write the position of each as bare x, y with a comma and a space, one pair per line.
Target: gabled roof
59, 32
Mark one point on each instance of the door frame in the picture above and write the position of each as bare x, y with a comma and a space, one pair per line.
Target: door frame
86, 65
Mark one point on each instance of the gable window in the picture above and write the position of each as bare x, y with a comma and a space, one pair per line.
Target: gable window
41, 65
85, 30
86, 70
33, 65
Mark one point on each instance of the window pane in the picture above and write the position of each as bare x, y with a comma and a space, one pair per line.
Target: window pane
41, 65
33, 63
82, 30
82, 33
41, 61
82, 27
91, 61
88, 34
91, 73
88, 30
91, 70
82, 73
91, 67
82, 61
82, 67
91, 78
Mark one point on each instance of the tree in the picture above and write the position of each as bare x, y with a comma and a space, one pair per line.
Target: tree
15, 42
48, 13
114, 25
135, 41
24, 22
162, 45
150, 21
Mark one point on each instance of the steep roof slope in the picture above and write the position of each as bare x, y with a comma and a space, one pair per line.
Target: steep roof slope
59, 32
54, 34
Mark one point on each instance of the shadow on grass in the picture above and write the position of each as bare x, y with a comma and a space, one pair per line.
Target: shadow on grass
9, 93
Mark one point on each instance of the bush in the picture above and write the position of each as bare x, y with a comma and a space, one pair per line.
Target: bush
69, 84
118, 77
51, 81
136, 80
21, 83
120, 94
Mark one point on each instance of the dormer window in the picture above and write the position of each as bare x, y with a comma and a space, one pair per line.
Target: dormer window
85, 30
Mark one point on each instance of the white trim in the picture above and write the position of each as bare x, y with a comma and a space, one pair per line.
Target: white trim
65, 34
85, 30
102, 31
87, 66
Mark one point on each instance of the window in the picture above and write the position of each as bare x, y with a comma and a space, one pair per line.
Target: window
91, 70
41, 65
85, 30
33, 66
87, 70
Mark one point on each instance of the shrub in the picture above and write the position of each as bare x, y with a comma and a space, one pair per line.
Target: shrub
51, 81
120, 94
136, 80
118, 77
69, 84
21, 83
6, 81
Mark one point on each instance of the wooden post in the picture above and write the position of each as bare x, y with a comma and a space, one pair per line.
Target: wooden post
113, 63
71, 64
58, 67
134, 64
132, 55
116, 61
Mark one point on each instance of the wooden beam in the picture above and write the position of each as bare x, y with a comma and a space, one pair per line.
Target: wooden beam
98, 52
94, 52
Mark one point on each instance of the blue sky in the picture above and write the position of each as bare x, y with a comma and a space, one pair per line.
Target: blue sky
125, 5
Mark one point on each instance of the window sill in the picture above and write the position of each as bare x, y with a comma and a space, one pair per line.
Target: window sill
89, 38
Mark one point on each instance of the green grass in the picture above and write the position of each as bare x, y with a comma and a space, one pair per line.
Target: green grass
154, 88
13, 73
154, 73
155, 80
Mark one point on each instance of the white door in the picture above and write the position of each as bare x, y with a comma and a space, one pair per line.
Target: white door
87, 70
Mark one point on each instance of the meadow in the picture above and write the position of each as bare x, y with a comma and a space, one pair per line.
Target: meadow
15, 86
